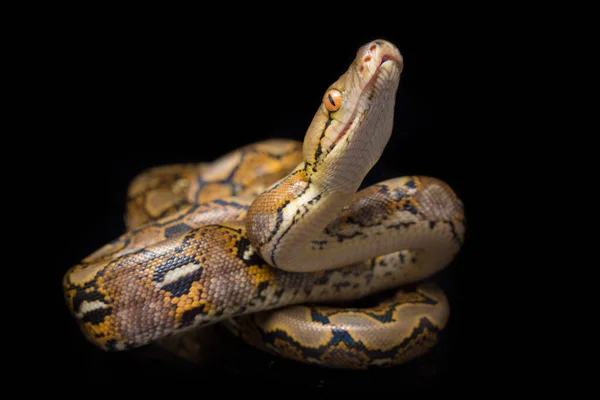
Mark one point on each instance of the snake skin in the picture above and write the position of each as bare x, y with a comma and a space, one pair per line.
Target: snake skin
273, 238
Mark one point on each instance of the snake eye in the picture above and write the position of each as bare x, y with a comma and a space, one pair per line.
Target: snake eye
332, 100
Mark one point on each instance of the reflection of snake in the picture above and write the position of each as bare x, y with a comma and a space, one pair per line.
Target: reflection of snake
253, 236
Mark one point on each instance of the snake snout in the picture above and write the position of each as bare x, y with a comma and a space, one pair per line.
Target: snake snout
373, 54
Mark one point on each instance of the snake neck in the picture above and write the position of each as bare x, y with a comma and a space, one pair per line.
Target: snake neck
283, 222
300, 225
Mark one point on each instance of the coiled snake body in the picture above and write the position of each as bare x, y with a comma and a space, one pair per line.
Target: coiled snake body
272, 238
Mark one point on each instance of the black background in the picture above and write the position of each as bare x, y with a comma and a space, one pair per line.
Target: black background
122, 98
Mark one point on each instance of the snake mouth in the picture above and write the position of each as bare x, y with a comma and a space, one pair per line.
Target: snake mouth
388, 57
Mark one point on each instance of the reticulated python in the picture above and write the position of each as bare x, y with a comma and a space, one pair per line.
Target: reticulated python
272, 237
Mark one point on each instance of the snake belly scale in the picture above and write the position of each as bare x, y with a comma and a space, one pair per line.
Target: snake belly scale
273, 238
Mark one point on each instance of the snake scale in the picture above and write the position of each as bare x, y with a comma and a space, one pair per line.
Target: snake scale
273, 238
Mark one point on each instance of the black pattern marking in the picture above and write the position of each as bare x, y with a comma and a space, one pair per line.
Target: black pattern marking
187, 318
342, 335
400, 225
351, 221
261, 287
338, 286
97, 316
455, 234
176, 230
322, 280
318, 317
312, 201
176, 176
183, 285
162, 222
319, 150
173, 263
240, 310
243, 245
410, 208
279, 219
318, 244
81, 296
114, 242
230, 204
397, 195
111, 345
386, 317
229, 179
341, 237
277, 295
124, 241
178, 206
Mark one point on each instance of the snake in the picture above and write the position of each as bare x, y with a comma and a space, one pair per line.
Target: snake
277, 241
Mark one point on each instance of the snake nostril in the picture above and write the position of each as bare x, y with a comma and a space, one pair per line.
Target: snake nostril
373, 48
367, 59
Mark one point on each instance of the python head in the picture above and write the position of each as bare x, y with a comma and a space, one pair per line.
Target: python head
354, 121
